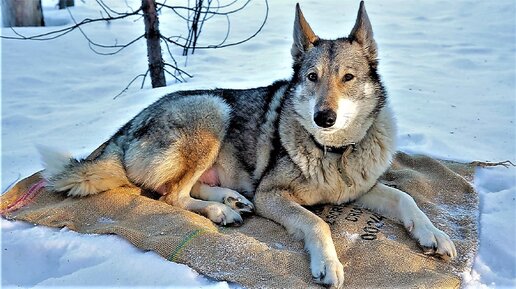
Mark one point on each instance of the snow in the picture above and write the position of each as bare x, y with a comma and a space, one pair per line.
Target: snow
66, 258
449, 67
495, 261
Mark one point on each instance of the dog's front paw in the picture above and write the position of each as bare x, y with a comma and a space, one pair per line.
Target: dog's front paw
432, 240
329, 272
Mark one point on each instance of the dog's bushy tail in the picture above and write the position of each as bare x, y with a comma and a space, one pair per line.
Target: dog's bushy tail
80, 178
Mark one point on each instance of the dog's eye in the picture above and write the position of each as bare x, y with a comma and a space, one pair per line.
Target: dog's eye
312, 76
348, 77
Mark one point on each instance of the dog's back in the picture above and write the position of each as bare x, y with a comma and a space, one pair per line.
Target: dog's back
185, 144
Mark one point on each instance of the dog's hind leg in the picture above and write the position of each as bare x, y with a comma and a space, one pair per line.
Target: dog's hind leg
174, 148
180, 195
223, 195
216, 212
186, 161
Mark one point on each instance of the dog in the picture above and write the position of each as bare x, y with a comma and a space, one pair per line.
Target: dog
323, 137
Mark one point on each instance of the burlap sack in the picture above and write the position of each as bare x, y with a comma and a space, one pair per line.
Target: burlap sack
375, 252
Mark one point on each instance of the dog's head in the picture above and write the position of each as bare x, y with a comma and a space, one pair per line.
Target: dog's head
337, 91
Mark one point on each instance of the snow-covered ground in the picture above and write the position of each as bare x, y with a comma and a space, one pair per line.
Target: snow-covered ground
449, 67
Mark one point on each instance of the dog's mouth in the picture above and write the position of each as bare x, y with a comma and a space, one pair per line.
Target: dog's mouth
328, 130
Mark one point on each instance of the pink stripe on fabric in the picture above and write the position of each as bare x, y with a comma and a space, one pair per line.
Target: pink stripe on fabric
25, 198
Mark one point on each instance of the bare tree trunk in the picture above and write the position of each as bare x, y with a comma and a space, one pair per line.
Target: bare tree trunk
156, 64
22, 13
66, 3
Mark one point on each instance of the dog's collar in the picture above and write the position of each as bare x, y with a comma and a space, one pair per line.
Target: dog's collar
335, 150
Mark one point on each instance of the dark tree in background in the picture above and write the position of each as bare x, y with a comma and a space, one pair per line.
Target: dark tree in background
156, 64
65, 3
22, 13
196, 17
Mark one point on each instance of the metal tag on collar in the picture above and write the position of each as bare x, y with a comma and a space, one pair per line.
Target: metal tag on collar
353, 147
349, 149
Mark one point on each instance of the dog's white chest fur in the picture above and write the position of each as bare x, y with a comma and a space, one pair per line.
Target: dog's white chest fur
326, 182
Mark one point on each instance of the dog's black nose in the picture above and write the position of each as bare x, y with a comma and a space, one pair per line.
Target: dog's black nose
325, 118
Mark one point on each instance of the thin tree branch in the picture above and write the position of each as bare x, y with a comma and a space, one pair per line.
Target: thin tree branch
216, 46
60, 32
206, 8
174, 76
92, 44
144, 75
175, 62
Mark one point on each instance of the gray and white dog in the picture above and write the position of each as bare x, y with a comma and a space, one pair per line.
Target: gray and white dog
323, 137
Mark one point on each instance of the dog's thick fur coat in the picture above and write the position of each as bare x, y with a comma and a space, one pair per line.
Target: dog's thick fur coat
325, 136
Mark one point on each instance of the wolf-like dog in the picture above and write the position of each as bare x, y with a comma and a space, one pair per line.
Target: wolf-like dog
323, 137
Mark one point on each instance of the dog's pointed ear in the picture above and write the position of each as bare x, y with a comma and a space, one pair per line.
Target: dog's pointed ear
363, 33
304, 37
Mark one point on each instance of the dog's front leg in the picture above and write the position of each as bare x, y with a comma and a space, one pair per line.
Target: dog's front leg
280, 207
401, 207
